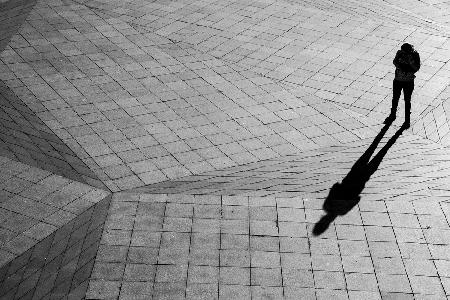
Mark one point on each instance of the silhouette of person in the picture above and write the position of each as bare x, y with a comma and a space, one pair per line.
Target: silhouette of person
407, 62
346, 195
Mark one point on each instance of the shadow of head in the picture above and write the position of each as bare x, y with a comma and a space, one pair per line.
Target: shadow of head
345, 195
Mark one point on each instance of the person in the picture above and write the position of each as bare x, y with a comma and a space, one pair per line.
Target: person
407, 63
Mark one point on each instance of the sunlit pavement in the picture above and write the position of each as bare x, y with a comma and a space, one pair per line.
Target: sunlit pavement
184, 149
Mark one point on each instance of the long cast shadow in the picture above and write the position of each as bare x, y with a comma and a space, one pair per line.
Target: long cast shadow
345, 195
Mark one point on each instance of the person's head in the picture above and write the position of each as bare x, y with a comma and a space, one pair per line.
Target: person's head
407, 48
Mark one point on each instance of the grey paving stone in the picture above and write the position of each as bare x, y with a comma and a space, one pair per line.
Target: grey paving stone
234, 291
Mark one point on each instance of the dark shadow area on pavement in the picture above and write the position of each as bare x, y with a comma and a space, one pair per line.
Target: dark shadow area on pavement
25, 138
12, 14
60, 265
345, 195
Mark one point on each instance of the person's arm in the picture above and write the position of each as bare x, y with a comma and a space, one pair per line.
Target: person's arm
415, 65
396, 60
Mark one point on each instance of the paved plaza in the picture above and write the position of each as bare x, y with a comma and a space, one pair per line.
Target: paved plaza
191, 149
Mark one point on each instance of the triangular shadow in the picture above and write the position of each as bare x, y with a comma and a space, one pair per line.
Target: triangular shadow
13, 14
24, 137
60, 265
346, 195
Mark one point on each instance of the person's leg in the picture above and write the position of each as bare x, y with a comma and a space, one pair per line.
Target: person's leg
407, 92
396, 91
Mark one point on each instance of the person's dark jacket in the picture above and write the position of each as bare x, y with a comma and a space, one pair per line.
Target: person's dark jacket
406, 64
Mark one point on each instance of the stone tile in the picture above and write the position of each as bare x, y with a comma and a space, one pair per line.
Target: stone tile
263, 228
358, 264
361, 282
169, 273
235, 212
234, 241
202, 291
207, 211
298, 278
405, 296
234, 275
326, 263
420, 267
292, 229
412, 235
427, 285
263, 259
445, 283
393, 283
389, 265
335, 294
234, 292
330, 280
414, 250
102, 289
297, 261
324, 247
203, 274
264, 243
265, 276
112, 253
292, 292
353, 295
142, 255
293, 244
384, 249
262, 292
380, 234
350, 232
136, 290
235, 258
234, 226
169, 290
108, 271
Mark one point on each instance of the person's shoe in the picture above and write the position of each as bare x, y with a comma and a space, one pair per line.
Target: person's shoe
389, 119
406, 125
